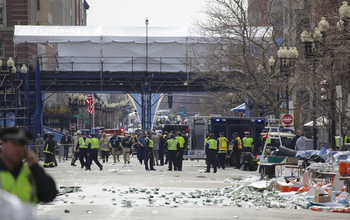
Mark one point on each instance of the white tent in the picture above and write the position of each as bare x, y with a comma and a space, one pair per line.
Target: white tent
83, 48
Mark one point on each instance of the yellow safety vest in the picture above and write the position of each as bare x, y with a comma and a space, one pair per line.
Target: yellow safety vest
213, 144
24, 186
181, 141
222, 144
94, 143
172, 144
150, 142
82, 143
247, 142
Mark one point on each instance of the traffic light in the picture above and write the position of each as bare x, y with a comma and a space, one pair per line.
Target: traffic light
170, 100
184, 113
122, 129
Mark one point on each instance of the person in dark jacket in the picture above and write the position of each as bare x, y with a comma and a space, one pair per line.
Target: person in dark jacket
161, 148
66, 142
36, 186
49, 150
148, 151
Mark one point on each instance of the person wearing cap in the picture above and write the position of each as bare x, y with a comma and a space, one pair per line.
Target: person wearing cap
173, 146
211, 150
83, 148
141, 141
236, 148
248, 143
179, 157
49, 150
148, 150
223, 143
75, 148
39, 147
92, 152
105, 147
27, 180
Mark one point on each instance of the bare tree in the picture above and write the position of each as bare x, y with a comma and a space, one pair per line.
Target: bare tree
236, 58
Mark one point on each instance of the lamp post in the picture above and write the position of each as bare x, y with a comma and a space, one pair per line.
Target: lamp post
24, 71
308, 40
287, 58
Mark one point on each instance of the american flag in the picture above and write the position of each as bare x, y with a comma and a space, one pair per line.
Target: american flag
90, 103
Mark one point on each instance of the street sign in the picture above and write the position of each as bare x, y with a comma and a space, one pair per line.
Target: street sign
77, 116
287, 119
72, 126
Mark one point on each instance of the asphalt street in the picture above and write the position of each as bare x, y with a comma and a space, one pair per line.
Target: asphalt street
129, 192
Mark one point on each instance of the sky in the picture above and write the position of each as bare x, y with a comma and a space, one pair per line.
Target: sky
160, 13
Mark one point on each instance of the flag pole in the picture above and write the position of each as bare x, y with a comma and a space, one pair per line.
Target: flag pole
93, 113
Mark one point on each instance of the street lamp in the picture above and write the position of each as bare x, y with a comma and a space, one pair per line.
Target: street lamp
308, 40
287, 58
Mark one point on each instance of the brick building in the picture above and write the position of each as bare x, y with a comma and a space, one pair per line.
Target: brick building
35, 12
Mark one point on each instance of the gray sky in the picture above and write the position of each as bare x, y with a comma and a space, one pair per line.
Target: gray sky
160, 13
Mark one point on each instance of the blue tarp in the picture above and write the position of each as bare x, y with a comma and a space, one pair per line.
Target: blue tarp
240, 108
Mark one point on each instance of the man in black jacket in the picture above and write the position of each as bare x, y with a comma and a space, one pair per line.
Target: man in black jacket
49, 150
66, 142
161, 148
36, 186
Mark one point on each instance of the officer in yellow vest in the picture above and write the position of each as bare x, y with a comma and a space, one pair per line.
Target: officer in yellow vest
27, 180
223, 143
83, 150
179, 157
237, 148
248, 143
93, 147
149, 151
211, 150
173, 146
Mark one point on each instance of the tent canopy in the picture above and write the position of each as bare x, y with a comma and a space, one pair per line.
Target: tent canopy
240, 108
62, 34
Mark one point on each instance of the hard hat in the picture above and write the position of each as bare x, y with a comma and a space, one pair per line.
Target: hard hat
78, 132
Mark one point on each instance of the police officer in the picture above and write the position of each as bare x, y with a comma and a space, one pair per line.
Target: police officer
248, 143
27, 180
223, 143
172, 145
93, 152
211, 149
237, 147
179, 157
83, 148
75, 148
148, 151
49, 148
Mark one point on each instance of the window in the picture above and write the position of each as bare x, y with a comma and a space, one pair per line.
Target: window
38, 5
1, 15
2, 49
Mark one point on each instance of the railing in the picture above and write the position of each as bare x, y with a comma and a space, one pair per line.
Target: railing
116, 64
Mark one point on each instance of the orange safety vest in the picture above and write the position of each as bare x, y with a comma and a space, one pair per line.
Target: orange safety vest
222, 144
239, 143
